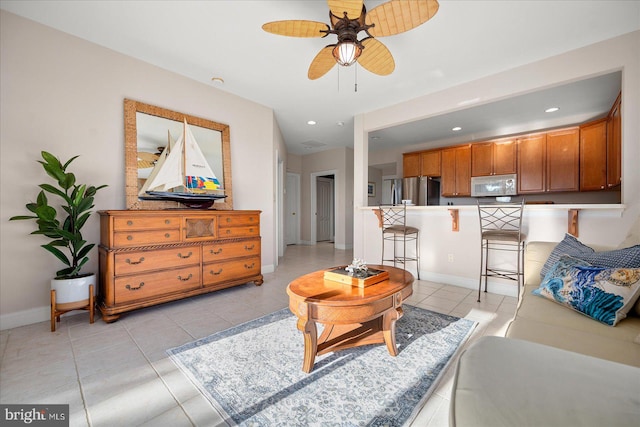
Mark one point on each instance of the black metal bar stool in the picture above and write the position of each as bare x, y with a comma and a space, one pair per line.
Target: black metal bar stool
501, 230
396, 230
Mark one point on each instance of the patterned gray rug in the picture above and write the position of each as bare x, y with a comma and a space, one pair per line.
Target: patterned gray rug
252, 373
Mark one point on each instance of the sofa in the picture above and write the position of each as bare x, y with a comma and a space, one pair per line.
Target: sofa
554, 367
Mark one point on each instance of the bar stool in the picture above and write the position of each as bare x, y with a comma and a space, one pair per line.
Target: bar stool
501, 230
395, 230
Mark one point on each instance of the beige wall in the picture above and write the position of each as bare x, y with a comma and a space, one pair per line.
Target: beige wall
65, 95
606, 227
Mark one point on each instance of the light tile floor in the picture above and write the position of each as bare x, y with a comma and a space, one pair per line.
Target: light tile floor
118, 374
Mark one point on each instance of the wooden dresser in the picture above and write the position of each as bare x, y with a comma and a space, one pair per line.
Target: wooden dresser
148, 257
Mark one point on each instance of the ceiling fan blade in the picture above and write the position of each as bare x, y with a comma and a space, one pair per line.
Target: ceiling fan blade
352, 7
398, 16
376, 57
322, 63
296, 28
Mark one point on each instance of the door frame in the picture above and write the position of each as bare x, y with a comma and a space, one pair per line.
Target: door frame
314, 207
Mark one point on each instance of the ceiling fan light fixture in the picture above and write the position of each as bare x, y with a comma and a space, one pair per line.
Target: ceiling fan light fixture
346, 53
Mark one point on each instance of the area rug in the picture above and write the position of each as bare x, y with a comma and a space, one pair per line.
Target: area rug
252, 373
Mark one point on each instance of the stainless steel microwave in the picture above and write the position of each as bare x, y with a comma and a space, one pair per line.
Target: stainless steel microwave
494, 185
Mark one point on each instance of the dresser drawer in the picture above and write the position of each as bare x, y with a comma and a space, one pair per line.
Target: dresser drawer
245, 231
141, 286
235, 220
145, 223
141, 238
222, 251
217, 272
142, 261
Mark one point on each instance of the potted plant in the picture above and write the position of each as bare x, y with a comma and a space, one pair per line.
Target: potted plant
65, 234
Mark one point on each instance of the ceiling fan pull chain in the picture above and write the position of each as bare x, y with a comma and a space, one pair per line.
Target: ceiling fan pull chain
356, 84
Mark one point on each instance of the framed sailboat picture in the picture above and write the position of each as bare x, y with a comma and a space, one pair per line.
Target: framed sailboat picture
175, 160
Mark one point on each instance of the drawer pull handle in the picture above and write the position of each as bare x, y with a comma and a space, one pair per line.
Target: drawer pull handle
128, 261
249, 267
167, 235
186, 278
228, 231
219, 251
228, 219
249, 248
132, 288
184, 256
250, 230
129, 237
129, 222
215, 273
167, 221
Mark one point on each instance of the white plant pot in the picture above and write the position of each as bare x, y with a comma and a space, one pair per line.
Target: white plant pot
73, 293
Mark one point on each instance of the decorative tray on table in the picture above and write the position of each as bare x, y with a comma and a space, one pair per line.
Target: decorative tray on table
360, 279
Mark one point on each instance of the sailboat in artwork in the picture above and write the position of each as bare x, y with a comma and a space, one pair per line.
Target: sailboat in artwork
182, 174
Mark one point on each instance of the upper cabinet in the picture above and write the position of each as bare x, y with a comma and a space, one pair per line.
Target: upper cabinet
456, 171
549, 161
410, 164
614, 145
423, 163
493, 158
430, 163
593, 156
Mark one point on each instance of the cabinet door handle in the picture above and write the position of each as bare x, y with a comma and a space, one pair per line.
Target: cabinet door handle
133, 288
129, 237
186, 278
249, 248
215, 273
167, 221
228, 219
228, 231
167, 235
128, 261
184, 256
213, 252
129, 222
249, 267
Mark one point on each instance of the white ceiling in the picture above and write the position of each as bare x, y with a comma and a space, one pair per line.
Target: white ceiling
466, 40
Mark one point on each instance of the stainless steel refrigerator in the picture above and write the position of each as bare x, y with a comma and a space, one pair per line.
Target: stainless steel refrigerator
422, 191
392, 191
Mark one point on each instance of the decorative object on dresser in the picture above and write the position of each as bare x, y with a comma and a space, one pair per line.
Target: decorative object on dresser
70, 289
148, 257
149, 130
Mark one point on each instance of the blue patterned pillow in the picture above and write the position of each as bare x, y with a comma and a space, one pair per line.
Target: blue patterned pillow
604, 294
568, 246
627, 258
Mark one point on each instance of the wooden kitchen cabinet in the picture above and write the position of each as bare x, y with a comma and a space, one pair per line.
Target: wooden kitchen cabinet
563, 160
493, 158
148, 257
593, 156
410, 164
430, 163
456, 171
614, 145
549, 162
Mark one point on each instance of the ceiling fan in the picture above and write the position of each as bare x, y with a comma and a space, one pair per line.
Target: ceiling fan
350, 17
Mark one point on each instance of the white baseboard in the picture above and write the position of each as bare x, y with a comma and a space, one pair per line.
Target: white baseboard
25, 317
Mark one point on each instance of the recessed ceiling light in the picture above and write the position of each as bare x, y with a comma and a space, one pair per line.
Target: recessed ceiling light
374, 137
456, 129
551, 110
311, 122
217, 80
340, 123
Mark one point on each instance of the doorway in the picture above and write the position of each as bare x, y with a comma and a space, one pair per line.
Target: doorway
323, 206
292, 217
325, 228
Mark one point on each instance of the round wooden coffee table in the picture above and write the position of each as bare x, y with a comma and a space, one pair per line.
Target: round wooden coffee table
352, 316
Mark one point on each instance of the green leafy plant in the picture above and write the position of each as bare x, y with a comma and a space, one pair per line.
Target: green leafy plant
76, 202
